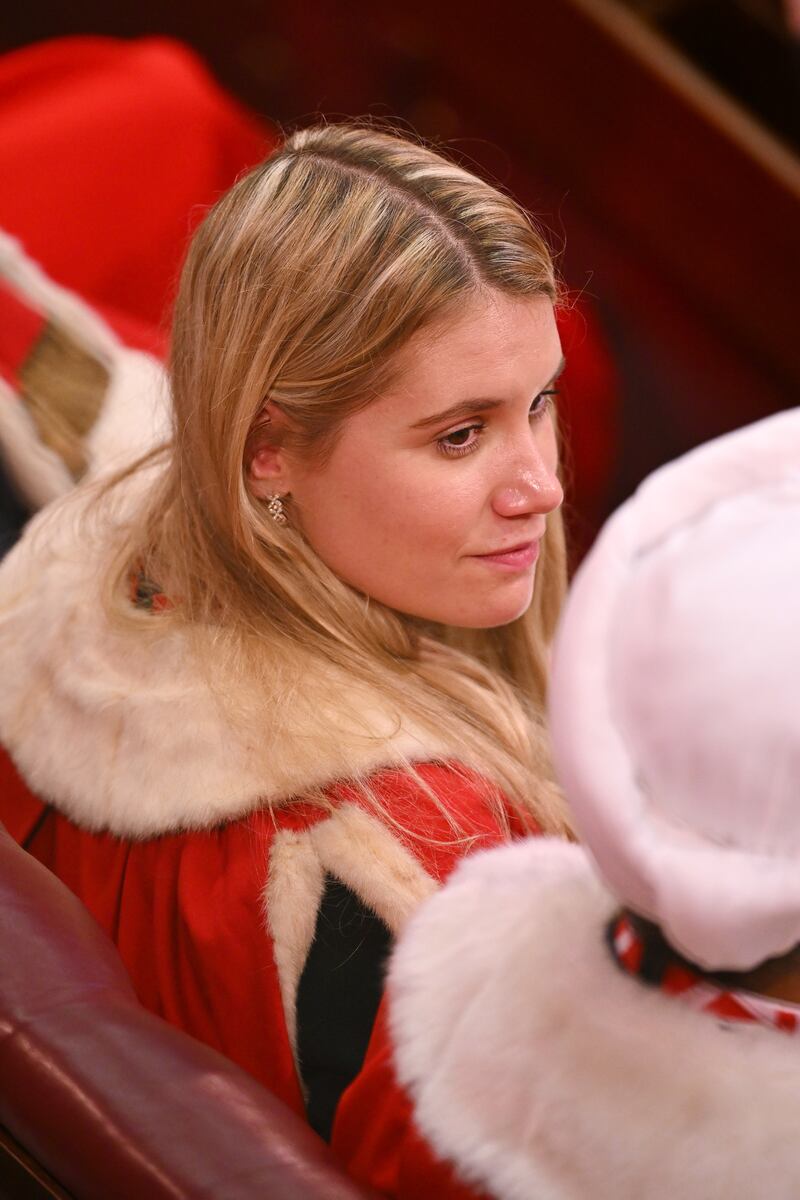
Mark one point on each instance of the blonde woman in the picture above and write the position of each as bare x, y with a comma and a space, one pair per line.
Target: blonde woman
261, 693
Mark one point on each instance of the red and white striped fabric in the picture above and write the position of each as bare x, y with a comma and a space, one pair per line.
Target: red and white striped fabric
677, 978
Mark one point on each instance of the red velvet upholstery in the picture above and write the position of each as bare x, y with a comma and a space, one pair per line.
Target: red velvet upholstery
108, 1098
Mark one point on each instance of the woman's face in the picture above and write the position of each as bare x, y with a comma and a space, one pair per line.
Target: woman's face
435, 498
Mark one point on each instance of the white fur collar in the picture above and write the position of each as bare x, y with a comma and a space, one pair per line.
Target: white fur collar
134, 415
543, 1071
121, 731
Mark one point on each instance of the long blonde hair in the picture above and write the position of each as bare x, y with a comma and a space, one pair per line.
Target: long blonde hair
300, 286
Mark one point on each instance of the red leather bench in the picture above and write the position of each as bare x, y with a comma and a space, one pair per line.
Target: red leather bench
101, 1098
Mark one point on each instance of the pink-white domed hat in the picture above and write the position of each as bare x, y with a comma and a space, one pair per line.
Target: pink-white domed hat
675, 701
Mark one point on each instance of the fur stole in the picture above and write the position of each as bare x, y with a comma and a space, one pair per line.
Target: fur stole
542, 1070
133, 731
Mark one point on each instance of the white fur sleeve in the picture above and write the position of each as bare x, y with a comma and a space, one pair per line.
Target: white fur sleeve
470, 1010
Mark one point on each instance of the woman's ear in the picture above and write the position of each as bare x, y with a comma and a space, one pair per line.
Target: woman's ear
266, 465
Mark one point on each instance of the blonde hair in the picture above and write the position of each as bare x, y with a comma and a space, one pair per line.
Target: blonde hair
300, 286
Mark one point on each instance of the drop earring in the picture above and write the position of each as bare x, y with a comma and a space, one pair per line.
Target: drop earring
276, 510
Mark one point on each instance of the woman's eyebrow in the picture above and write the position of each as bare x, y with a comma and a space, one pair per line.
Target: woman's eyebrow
462, 409
465, 407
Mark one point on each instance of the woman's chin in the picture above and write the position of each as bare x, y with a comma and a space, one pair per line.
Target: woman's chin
508, 605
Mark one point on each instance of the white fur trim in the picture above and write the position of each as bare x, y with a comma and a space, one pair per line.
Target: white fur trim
27, 278
361, 853
37, 472
292, 896
364, 855
542, 1070
134, 415
128, 730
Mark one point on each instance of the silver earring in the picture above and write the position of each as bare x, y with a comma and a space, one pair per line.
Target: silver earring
276, 510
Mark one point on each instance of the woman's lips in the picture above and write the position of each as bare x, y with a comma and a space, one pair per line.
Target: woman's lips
518, 558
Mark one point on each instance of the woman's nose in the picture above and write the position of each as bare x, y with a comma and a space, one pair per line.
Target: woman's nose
531, 491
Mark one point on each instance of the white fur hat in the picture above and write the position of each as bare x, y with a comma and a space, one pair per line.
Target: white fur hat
675, 701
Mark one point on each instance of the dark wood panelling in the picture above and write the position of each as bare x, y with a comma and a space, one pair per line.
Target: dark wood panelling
679, 214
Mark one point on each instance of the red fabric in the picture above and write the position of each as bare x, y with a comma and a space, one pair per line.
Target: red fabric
185, 911
432, 840
185, 914
19, 808
678, 978
20, 328
389, 1152
111, 151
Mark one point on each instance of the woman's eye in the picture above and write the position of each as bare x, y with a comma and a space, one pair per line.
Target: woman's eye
543, 402
460, 441
465, 440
